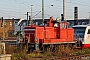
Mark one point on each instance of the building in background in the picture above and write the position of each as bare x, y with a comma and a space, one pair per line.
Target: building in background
80, 22
9, 28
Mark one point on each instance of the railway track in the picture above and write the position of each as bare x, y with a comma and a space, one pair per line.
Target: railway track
79, 57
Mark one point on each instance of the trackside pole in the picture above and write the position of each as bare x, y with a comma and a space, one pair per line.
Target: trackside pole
36, 44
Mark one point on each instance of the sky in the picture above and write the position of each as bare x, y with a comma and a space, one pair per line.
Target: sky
18, 8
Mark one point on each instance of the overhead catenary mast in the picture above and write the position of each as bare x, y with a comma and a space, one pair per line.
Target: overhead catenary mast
89, 18
75, 15
43, 12
3, 28
64, 10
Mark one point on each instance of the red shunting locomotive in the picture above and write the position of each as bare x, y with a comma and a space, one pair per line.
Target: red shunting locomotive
53, 33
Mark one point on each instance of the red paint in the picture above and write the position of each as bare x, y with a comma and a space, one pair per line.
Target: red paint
49, 33
85, 46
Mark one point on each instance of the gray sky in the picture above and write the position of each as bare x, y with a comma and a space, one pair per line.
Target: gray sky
18, 8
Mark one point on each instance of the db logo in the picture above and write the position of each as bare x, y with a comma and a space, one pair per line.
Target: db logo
88, 36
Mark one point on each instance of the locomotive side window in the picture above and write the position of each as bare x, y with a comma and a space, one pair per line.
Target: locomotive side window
88, 31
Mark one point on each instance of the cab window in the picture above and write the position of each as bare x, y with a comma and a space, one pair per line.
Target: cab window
88, 31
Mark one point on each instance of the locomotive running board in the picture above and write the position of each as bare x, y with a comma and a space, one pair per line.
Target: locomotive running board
58, 43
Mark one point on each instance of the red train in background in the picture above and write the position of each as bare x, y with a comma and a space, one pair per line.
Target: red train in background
52, 34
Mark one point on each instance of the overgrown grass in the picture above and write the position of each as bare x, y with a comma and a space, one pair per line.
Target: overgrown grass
38, 55
20, 53
18, 56
80, 52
